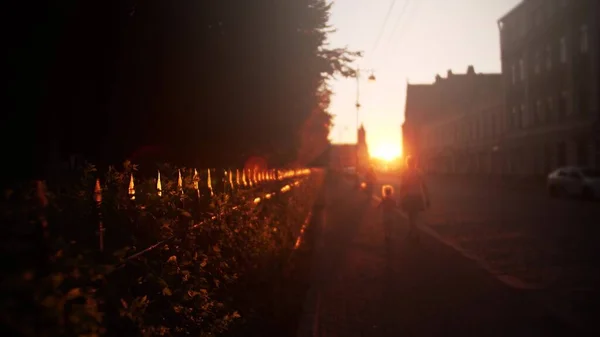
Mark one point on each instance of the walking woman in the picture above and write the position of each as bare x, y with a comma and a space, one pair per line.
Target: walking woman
414, 196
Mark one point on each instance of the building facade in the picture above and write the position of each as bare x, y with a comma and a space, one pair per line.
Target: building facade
550, 67
454, 125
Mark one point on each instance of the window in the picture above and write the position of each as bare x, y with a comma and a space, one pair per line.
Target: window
563, 49
582, 153
561, 154
549, 107
548, 57
583, 101
522, 24
539, 110
549, 9
513, 74
524, 120
583, 39
537, 16
482, 129
597, 154
563, 108
536, 62
522, 69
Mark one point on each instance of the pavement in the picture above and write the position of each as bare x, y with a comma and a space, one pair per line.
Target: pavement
360, 287
522, 236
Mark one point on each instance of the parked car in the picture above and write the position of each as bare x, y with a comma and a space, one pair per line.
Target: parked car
574, 181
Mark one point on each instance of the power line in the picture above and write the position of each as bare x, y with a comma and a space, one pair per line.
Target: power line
408, 23
387, 16
402, 11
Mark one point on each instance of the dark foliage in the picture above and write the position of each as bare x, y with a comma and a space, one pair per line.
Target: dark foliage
201, 83
217, 262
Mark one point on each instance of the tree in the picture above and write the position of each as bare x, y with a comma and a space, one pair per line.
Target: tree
209, 82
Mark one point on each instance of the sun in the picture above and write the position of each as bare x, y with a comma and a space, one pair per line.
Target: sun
386, 151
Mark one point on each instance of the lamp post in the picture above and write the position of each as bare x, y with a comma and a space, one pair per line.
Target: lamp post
371, 79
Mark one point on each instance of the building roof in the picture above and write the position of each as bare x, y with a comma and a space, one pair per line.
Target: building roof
512, 11
450, 95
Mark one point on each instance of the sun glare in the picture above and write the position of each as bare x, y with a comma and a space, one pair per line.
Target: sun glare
386, 152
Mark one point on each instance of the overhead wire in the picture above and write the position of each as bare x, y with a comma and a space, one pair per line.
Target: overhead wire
402, 11
410, 21
382, 30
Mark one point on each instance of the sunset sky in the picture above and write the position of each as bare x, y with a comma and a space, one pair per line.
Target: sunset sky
422, 38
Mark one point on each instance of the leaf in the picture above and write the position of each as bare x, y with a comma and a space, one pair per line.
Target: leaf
124, 303
162, 283
57, 280
172, 259
74, 293
216, 248
121, 252
107, 269
186, 214
167, 292
50, 301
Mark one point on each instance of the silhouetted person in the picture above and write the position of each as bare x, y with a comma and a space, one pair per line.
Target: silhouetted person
388, 208
413, 195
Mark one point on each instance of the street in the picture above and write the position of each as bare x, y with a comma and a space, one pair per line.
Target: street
358, 288
522, 234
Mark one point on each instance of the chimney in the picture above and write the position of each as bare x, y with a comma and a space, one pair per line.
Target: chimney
438, 78
471, 70
449, 72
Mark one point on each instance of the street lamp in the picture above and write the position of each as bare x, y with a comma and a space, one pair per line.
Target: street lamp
371, 78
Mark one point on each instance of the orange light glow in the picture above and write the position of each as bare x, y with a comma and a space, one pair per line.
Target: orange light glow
387, 152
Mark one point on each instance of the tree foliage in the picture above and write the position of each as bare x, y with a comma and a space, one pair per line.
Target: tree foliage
210, 82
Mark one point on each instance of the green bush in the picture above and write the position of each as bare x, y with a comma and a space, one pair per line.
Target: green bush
61, 284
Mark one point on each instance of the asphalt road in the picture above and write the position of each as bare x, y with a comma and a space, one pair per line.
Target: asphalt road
360, 288
552, 245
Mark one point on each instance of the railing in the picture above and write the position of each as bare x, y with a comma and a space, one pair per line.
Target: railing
78, 255
248, 180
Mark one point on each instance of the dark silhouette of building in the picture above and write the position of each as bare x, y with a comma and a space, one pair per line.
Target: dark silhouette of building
551, 76
453, 125
349, 155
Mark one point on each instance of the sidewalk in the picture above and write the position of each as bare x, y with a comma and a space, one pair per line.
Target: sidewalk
417, 290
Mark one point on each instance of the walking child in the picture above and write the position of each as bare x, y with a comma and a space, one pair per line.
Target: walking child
388, 208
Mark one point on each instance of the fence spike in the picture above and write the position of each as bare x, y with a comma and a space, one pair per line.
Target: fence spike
179, 182
209, 184
98, 191
237, 177
196, 180
159, 185
231, 179
131, 188
244, 178
98, 199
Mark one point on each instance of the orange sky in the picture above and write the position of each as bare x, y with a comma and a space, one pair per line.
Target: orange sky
430, 37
